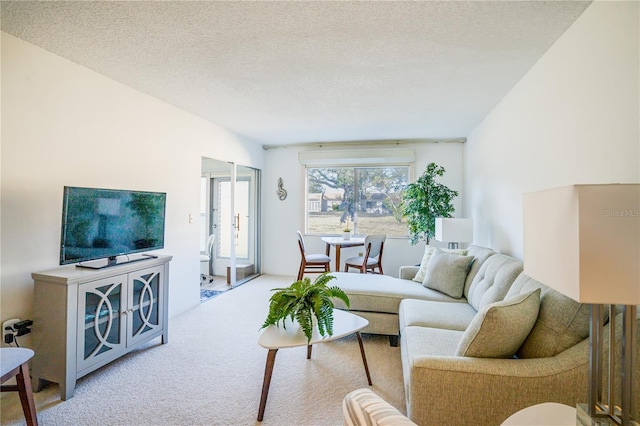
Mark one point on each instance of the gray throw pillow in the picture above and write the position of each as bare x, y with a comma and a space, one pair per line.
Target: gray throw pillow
499, 329
428, 252
447, 273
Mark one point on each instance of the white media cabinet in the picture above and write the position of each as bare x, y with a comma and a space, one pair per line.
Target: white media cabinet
86, 318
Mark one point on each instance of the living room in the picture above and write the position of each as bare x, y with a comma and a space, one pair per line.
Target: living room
572, 118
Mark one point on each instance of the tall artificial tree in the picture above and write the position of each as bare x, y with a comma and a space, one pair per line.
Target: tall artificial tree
423, 201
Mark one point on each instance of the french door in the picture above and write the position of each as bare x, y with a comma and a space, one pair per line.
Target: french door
232, 217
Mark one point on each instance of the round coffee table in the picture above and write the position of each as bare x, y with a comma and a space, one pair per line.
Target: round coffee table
274, 338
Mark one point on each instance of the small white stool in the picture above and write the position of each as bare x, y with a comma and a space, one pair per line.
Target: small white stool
13, 362
546, 414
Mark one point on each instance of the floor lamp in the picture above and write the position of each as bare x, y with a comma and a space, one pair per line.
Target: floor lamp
584, 241
454, 230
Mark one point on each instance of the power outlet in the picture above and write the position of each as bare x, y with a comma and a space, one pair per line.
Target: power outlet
5, 332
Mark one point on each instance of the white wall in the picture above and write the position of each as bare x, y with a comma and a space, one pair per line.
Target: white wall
281, 219
63, 124
573, 119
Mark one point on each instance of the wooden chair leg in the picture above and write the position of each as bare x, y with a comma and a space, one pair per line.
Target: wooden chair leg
301, 271
26, 395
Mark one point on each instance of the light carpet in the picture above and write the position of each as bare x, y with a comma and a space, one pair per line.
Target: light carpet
211, 371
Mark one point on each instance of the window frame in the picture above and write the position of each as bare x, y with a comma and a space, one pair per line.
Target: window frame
328, 165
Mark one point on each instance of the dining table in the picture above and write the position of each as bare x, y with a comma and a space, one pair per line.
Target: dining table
339, 243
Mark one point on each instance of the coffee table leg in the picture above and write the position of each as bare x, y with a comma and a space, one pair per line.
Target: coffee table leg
364, 358
268, 370
337, 257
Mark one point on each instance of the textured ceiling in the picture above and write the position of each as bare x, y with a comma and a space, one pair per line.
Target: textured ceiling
308, 71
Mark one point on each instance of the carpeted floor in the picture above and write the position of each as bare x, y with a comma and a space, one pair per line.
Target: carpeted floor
211, 371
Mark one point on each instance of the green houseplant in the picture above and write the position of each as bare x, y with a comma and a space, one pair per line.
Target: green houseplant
423, 201
302, 301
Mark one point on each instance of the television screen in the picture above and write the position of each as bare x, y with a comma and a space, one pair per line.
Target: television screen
105, 223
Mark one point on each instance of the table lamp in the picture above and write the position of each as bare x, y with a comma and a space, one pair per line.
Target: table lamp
584, 241
454, 230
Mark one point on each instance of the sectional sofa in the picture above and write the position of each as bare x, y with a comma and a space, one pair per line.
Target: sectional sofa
475, 354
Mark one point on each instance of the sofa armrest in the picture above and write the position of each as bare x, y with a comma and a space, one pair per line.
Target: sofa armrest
408, 272
363, 407
472, 391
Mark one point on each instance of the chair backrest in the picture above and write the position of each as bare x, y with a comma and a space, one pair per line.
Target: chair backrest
301, 243
374, 245
210, 242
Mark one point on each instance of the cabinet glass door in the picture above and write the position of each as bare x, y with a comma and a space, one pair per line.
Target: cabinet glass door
100, 324
145, 311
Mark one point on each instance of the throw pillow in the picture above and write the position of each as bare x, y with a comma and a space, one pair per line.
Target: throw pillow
447, 273
424, 263
499, 329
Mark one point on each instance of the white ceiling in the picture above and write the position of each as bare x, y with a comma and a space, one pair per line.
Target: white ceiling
282, 72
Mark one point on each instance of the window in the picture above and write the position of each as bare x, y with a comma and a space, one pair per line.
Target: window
369, 197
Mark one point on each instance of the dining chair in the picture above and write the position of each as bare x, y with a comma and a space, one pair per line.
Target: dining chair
372, 259
311, 262
14, 363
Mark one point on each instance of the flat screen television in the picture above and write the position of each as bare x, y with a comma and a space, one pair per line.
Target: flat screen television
110, 224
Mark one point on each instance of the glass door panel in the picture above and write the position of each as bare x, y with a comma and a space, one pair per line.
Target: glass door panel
230, 205
247, 201
145, 304
222, 197
101, 323
215, 223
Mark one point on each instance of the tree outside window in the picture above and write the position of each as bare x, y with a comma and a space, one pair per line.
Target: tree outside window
369, 196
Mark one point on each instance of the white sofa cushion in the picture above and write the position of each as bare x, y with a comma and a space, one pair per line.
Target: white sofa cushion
426, 313
493, 280
499, 329
562, 322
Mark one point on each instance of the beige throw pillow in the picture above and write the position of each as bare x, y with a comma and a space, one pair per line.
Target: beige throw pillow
499, 329
428, 252
447, 273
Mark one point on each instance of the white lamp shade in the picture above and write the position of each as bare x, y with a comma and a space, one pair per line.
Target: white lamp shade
584, 241
454, 230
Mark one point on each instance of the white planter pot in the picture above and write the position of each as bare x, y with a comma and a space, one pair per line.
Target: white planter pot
346, 235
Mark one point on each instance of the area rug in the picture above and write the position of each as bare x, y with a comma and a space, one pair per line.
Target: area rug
209, 294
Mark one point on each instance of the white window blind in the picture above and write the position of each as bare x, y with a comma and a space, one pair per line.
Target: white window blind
356, 157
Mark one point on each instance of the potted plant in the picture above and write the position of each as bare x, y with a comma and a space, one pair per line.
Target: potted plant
346, 232
425, 200
307, 303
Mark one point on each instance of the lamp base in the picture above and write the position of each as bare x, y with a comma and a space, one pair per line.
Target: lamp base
584, 419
